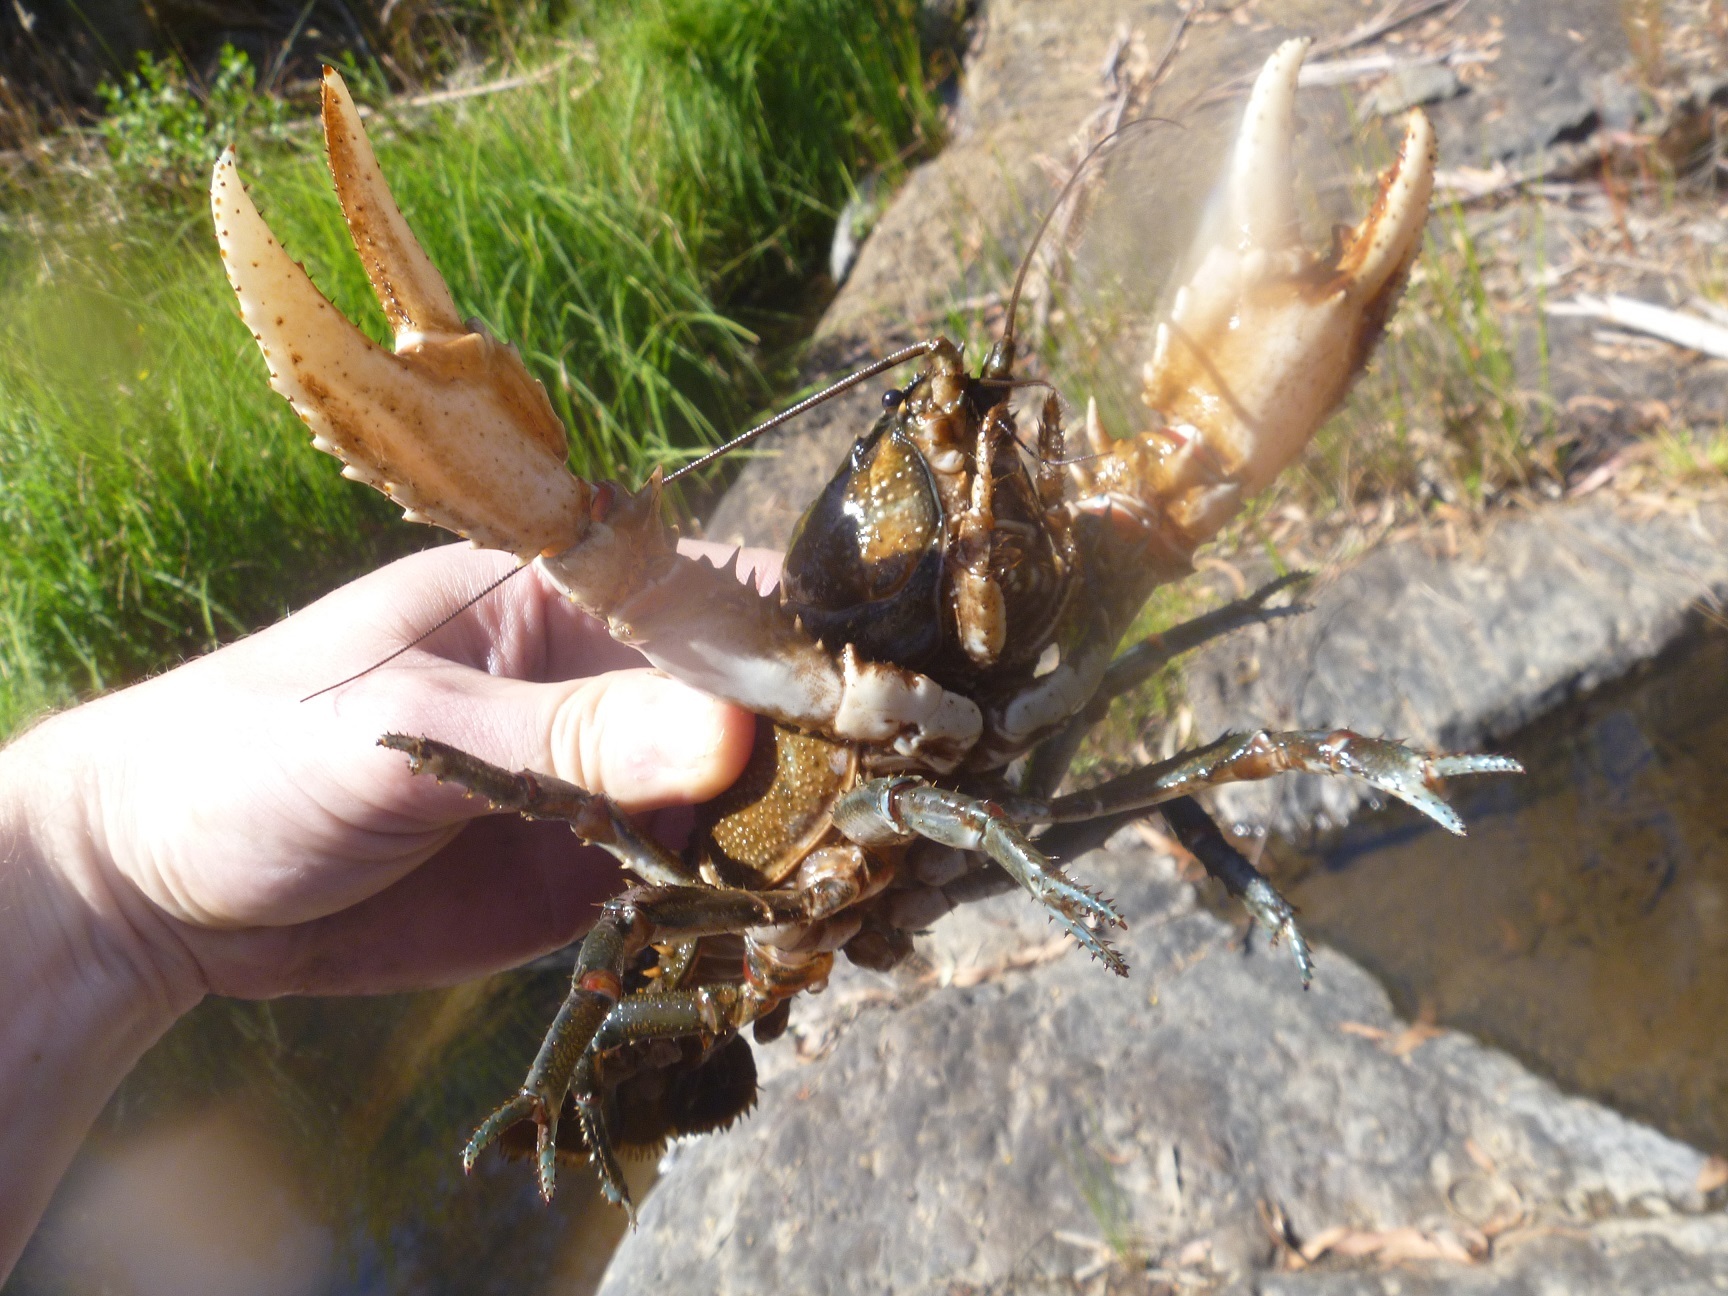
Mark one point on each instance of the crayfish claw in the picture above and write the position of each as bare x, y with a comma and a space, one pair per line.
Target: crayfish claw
451, 425
1261, 183
1446, 766
1277, 918
413, 294
1406, 774
1264, 339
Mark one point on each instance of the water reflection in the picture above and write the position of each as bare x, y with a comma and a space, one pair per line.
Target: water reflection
201, 1205
1583, 925
308, 1147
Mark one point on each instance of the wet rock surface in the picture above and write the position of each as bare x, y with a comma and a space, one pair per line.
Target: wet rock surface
1009, 1118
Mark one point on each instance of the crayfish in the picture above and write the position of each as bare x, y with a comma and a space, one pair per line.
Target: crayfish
946, 627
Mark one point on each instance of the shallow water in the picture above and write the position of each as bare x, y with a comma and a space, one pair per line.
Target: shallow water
1583, 924
308, 1147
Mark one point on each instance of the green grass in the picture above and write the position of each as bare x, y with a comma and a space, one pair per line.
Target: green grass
634, 224
1441, 415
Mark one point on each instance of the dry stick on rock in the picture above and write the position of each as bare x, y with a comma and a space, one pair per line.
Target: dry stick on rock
1682, 329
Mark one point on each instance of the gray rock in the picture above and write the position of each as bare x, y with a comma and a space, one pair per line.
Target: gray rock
1412, 86
1015, 1120
1449, 650
1003, 1136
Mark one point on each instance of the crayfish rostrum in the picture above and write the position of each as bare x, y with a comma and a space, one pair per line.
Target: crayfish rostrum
947, 624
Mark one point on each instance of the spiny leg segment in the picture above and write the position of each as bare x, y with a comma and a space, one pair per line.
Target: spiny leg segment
1390, 766
900, 808
1202, 839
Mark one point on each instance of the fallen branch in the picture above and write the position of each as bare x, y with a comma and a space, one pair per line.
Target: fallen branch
1394, 15
432, 98
1344, 71
1677, 327
1395, 1245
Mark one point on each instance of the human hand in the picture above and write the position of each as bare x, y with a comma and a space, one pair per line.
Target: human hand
237, 840
208, 831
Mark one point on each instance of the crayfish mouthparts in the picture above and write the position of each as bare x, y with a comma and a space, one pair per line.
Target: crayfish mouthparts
940, 642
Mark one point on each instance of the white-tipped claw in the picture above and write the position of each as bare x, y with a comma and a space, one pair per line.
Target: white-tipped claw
1265, 338
1261, 192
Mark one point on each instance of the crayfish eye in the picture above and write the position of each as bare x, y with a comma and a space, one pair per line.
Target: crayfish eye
892, 399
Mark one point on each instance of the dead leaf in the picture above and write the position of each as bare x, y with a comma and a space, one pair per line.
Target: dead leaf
1401, 1044
1413, 1037
1713, 1174
978, 973
1390, 1246
1363, 1030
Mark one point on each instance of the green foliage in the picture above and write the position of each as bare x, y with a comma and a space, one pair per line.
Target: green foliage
1441, 415
153, 491
162, 130
633, 222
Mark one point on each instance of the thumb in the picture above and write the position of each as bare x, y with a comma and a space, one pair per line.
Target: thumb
646, 740
642, 738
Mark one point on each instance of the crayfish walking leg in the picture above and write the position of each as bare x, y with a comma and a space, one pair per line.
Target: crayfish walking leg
596, 1016
899, 809
592, 817
1201, 838
1390, 766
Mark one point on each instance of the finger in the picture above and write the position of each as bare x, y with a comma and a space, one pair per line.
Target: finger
504, 892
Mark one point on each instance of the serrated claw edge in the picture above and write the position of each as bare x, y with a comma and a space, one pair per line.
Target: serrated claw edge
451, 425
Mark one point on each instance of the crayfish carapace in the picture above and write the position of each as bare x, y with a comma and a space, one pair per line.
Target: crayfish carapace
950, 605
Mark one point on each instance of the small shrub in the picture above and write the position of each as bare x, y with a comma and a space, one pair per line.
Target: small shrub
163, 131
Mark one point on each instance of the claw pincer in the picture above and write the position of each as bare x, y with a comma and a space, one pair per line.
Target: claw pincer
945, 632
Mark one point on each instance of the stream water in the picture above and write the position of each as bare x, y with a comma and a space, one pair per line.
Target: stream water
1583, 924
308, 1147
